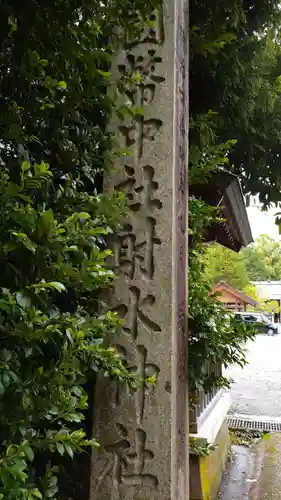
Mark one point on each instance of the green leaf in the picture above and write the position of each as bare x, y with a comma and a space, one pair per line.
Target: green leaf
104, 74
51, 491
22, 237
72, 248
36, 493
69, 335
62, 433
4, 305
29, 452
23, 300
11, 450
6, 378
22, 429
19, 466
29, 245
77, 391
25, 166
60, 448
24, 198
69, 450
74, 417
53, 481
2, 389
62, 84
55, 285
26, 401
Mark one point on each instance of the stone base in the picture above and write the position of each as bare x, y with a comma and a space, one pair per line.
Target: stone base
206, 472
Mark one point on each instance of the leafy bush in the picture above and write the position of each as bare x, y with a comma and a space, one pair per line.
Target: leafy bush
54, 328
214, 336
235, 54
51, 327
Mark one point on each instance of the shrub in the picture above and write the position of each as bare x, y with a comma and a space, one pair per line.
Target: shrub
54, 328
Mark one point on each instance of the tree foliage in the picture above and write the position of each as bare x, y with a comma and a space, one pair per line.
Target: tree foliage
223, 264
263, 259
215, 338
260, 261
264, 305
236, 55
54, 328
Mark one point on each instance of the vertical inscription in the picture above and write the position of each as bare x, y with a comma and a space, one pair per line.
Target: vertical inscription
138, 80
141, 198
135, 135
128, 455
144, 370
144, 195
128, 464
146, 373
155, 32
135, 311
128, 253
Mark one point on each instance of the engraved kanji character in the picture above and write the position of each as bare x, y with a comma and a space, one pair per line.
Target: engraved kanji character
151, 239
156, 29
146, 190
128, 184
122, 351
125, 466
135, 134
146, 66
135, 474
154, 33
138, 78
143, 370
135, 312
127, 252
118, 460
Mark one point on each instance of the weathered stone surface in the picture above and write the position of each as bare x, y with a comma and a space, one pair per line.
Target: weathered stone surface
136, 458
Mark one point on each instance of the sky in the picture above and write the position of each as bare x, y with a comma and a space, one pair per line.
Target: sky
263, 222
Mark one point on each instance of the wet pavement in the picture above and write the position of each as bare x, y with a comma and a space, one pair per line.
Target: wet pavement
254, 473
257, 386
237, 478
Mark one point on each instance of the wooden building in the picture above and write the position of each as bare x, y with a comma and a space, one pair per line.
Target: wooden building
233, 299
223, 191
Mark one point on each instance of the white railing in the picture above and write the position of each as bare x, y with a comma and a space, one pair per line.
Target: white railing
204, 401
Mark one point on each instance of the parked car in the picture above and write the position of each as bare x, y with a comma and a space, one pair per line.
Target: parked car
259, 320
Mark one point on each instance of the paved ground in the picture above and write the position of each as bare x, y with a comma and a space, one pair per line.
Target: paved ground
254, 473
257, 387
238, 477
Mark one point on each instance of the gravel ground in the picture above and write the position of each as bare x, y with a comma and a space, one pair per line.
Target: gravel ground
257, 387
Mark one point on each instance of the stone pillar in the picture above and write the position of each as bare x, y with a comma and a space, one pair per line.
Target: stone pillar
143, 433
